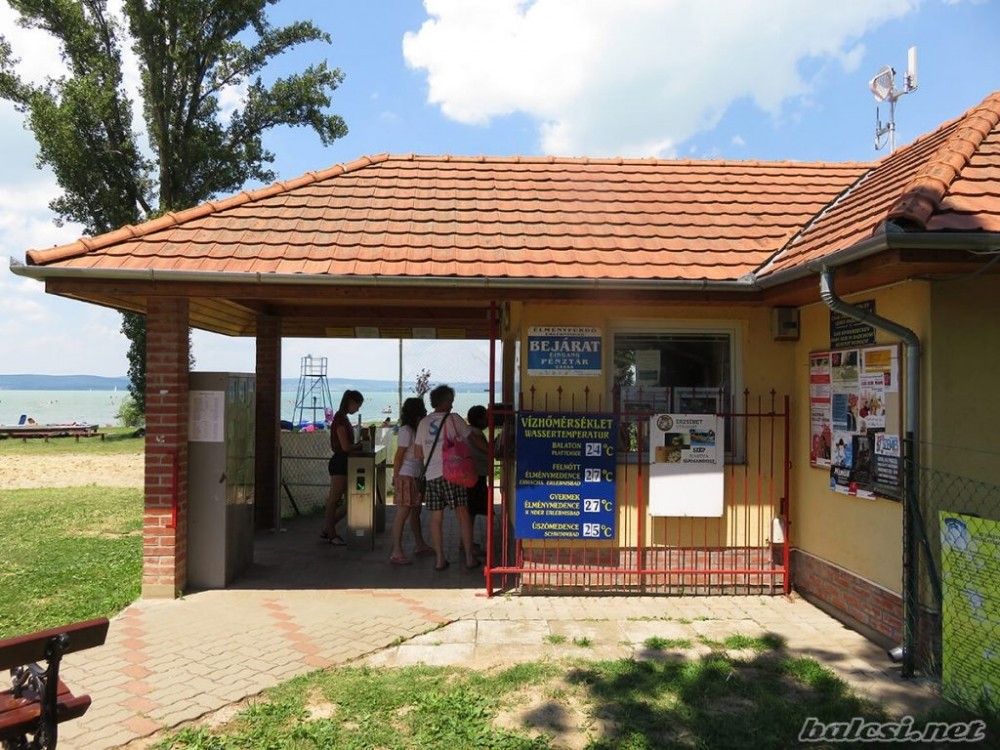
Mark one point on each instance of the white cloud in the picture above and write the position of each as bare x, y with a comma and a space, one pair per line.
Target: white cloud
629, 77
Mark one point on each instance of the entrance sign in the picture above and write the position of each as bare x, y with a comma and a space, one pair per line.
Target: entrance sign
686, 461
564, 350
565, 477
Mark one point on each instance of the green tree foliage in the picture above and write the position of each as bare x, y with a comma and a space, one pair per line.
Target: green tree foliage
423, 383
189, 53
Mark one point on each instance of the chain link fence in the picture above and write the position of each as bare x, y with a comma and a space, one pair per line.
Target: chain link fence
959, 592
464, 365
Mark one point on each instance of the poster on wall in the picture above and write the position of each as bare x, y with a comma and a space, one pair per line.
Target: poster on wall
884, 361
686, 462
206, 415
970, 610
887, 476
821, 429
566, 351
565, 477
854, 420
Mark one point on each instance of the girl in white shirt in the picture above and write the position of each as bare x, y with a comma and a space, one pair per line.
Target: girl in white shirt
407, 498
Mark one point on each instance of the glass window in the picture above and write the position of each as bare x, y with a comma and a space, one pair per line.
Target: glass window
680, 372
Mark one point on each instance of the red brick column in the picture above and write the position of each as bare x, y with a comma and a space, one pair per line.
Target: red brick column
267, 434
164, 539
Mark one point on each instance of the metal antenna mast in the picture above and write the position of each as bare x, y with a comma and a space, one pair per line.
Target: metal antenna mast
883, 87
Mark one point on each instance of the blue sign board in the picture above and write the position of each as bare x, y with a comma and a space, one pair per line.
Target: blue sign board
565, 476
564, 350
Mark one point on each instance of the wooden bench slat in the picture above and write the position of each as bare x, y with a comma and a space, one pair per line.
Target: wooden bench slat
17, 721
24, 649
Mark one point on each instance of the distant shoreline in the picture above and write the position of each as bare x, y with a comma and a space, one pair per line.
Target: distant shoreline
33, 382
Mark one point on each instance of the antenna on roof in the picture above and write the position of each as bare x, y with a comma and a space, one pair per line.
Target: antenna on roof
883, 87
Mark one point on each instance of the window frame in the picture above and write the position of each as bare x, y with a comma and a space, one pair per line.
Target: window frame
734, 329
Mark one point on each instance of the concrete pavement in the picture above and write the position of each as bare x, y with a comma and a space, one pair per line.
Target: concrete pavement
307, 605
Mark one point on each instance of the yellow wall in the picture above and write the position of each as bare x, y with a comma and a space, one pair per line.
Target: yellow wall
960, 434
964, 381
764, 364
864, 536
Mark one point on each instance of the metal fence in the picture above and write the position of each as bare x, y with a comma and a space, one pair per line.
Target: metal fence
305, 481
959, 553
744, 551
305, 478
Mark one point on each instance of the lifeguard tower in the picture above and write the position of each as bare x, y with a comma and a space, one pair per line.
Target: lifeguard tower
312, 400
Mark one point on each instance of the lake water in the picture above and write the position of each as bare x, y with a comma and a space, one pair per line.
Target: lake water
101, 407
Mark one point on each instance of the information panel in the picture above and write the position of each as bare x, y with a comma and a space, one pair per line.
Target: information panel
565, 477
686, 462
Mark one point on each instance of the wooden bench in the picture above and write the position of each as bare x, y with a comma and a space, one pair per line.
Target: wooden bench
38, 701
44, 431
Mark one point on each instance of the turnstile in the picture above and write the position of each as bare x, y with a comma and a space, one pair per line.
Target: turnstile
365, 498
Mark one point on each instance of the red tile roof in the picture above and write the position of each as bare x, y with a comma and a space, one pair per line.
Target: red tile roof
518, 218
948, 180
549, 218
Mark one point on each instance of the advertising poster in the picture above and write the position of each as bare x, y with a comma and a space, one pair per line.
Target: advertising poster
970, 611
888, 478
861, 476
820, 426
871, 404
686, 462
840, 466
564, 351
565, 477
884, 361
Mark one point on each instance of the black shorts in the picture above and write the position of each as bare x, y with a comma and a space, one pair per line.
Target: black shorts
338, 465
477, 497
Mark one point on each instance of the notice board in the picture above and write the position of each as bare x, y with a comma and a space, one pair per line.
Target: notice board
855, 419
686, 461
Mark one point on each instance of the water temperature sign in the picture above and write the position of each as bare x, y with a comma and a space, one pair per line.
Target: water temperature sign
565, 477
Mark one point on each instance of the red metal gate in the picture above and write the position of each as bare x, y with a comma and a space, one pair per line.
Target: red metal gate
745, 551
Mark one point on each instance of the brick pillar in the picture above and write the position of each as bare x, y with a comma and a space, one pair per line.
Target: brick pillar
267, 433
164, 539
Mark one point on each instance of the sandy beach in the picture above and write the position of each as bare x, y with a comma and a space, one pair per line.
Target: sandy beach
71, 470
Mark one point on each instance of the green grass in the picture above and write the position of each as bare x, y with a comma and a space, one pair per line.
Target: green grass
709, 702
67, 555
656, 643
117, 440
72, 554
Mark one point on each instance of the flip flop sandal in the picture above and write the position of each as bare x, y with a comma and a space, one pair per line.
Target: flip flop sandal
400, 560
335, 540
443, 566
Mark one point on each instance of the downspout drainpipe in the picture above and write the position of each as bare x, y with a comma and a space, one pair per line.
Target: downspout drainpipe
911, 500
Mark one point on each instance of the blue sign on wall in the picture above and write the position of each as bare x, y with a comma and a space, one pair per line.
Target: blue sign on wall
565, 477
564, 350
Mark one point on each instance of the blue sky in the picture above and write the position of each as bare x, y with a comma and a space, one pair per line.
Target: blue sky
712, 79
